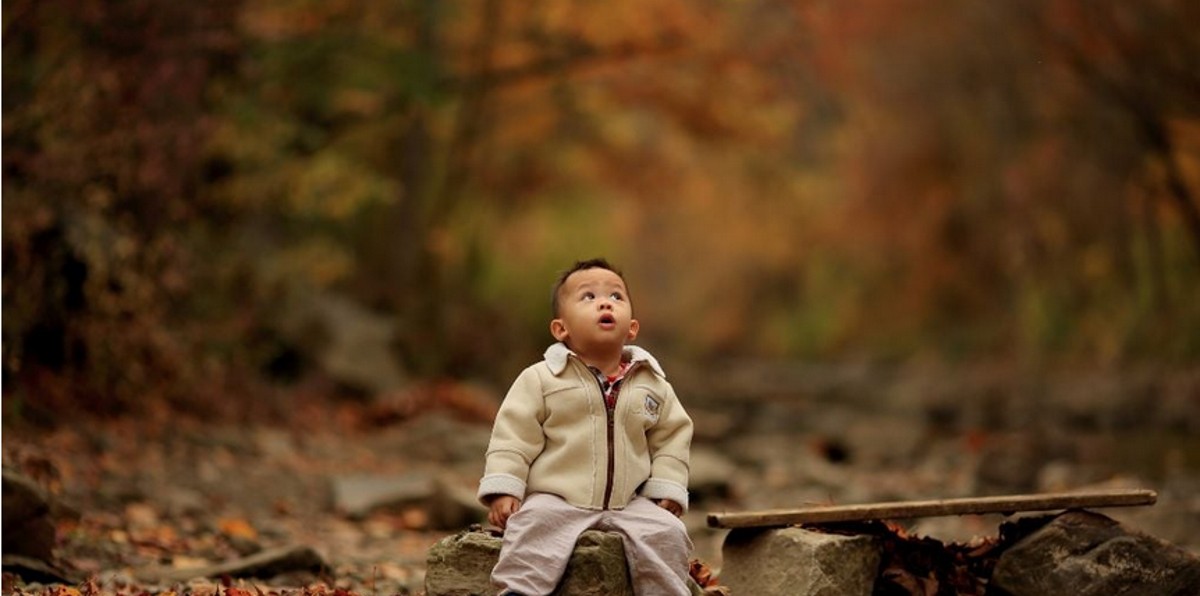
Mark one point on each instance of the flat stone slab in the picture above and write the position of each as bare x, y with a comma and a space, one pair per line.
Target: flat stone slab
910, 509
358, 495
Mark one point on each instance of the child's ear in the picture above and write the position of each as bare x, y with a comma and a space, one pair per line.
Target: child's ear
633, 330
559, 329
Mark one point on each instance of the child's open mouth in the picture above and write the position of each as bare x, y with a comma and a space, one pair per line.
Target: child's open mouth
607, 321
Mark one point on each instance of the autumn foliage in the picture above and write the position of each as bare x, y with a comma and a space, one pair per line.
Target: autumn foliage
90, 588
1013, 180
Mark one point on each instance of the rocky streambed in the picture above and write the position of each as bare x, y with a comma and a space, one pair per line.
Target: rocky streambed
369, 488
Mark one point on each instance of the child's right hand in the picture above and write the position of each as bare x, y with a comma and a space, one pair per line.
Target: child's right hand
501, 508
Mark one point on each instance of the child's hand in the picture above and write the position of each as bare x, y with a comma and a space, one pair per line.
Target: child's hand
675, 508
501, 508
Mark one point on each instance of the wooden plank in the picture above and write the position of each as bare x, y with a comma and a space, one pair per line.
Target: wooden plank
910, 509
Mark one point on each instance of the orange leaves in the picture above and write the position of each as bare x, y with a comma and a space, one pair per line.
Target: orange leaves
923, 566
62, 591
92, 588
316, 590
704, 578
701, 573
237, 528
865, 176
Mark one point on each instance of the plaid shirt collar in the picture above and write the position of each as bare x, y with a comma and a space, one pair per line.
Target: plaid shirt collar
611, 386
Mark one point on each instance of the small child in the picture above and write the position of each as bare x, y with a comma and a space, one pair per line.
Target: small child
592, 436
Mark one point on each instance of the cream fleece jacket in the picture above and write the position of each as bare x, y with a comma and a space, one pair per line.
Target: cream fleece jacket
552, 435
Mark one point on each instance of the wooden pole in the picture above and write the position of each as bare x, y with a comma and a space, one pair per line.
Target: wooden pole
910, 509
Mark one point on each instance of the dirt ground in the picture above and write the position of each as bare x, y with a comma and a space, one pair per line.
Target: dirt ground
144, 497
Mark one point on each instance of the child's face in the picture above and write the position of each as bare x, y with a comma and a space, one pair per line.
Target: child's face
594, 312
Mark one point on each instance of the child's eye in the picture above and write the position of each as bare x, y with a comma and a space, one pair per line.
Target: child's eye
616, 296
589, 296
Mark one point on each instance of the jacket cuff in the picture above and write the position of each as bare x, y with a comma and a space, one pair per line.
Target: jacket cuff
500, 484
657, 488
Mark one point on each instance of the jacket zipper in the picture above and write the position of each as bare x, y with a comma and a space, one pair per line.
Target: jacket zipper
610, 414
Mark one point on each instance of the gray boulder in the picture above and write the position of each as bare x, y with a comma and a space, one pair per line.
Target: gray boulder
798, 562
461, 565
1087, 554
358, 495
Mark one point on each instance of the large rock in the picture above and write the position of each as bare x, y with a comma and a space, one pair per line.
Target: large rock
461, 565
29, 536
710, 474
28, 529
798, 562
447, 505
1087, 554
359, 494
351, 343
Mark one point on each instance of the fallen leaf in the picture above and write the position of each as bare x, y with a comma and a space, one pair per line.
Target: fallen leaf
701, 573
415, 518
236, 527
186, 562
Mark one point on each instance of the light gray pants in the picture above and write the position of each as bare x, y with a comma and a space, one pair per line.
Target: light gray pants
541, 536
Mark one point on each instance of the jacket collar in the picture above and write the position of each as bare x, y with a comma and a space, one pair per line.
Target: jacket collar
558, 354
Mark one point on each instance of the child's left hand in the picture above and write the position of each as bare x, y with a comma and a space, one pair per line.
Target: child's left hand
675, 508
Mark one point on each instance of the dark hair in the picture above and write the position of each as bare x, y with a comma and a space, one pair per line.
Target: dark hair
597, 263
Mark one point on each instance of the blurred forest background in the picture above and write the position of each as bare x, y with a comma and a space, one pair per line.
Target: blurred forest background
201, 198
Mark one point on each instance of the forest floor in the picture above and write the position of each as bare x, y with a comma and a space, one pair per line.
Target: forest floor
146, 499
143, 499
